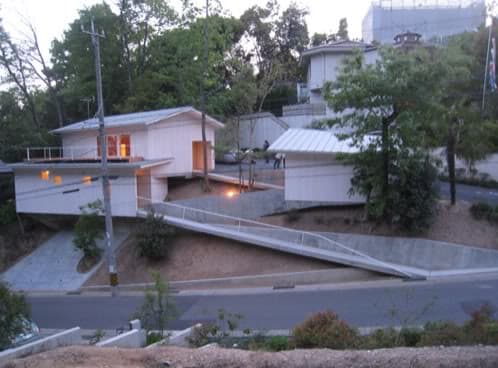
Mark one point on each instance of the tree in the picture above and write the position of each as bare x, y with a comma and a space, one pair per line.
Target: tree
158, 308
392, 100
153, 237
342, 33
319, 39
88, 229
14, 311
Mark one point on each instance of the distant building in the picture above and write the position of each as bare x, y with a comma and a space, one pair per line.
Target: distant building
429, 18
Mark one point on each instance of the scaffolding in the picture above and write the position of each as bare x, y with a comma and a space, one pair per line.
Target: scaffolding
427, 4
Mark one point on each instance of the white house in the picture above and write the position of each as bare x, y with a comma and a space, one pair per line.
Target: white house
313, 172
144, 150
323, 64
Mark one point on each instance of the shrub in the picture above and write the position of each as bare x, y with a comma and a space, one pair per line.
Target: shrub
153, 237
152, 338
201, 335
14, 311
325, 330
380, 339
482, 328
88, 229
481, 211
7, 213
409, 336
442, 333
277, 343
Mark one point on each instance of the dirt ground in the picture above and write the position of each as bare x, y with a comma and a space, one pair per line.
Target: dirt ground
92, 357
14, 245
452, 224
196, 256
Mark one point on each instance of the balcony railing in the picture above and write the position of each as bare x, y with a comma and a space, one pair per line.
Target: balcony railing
73, 153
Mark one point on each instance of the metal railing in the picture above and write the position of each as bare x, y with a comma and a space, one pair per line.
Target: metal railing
299, 237
68, 153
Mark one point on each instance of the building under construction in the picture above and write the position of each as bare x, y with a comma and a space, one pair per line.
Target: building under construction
433, 19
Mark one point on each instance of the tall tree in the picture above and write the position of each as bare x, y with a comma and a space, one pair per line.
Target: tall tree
392, 98
342, 34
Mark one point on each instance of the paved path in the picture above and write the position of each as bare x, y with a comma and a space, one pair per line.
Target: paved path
470, 193
51, 266
364, 305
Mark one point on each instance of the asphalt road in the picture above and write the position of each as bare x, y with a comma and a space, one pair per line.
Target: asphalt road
470, 193
371, 304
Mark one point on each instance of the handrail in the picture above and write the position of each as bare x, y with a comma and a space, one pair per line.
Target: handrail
302, 233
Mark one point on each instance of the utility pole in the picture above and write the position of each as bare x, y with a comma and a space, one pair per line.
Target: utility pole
203, 101
106, 187
486, 68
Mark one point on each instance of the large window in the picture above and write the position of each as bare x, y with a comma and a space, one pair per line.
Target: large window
117, 146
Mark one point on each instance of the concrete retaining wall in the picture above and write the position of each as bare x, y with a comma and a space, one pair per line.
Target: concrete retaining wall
65, 338
135, 338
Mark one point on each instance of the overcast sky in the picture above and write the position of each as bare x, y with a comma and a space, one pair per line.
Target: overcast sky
51, 17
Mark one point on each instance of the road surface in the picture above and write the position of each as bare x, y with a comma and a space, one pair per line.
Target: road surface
363, 305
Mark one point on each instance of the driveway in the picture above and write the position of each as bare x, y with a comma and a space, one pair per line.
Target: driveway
52, 266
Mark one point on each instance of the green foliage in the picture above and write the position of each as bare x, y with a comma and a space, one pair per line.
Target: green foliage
13, 311
481, 210
88, 229
442, 334
277, 343
482, 328
380, 339
324, 330
152, 338
201, 335
158, 308
8, 213
153, 237
220, 332
96, 337
410, 336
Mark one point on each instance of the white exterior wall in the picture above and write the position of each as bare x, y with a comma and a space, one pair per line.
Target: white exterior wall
173, 139
320, 178
253, 133
34, 195
83, 144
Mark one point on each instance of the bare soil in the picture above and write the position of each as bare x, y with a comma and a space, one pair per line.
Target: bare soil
90, 357
14, 245
195, 256
453, 224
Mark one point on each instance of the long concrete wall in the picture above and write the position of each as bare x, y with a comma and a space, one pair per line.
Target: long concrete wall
65, 338
135, 338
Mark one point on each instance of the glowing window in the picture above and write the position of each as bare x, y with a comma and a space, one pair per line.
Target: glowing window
44, 175
57, 180
124, 145
87, 180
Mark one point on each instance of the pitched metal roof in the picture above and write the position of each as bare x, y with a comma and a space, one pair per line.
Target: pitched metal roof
339, 47
136, 118
4, 169
313, 141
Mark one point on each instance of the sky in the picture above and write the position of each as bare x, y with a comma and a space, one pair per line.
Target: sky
51, 17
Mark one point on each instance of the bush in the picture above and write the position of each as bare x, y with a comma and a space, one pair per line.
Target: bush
153, 237
8, 213
277, 343
200, 336
88, 229
325, 330
152, 338
380, 339
14, 311
482, 328
481, 210
410, 336
442, 333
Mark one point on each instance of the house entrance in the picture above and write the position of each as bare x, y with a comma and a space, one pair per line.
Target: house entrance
198, 156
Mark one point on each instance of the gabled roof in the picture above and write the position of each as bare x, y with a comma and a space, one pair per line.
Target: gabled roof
344, 46
4, 169
313, 141
135, 119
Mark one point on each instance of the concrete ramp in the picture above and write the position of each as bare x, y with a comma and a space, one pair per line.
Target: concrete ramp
274, 237
406, 257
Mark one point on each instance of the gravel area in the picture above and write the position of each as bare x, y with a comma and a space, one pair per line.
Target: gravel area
86, 357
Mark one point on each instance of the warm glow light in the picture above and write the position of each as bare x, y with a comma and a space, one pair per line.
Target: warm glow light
44, 175
230, 194
57, 180
87, 180
122, 150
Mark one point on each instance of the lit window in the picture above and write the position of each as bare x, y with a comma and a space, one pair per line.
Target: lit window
57, 180
44, 175
87, 180
124, 145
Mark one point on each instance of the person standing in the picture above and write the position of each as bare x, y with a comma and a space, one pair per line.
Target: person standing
266, 145
278, 158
